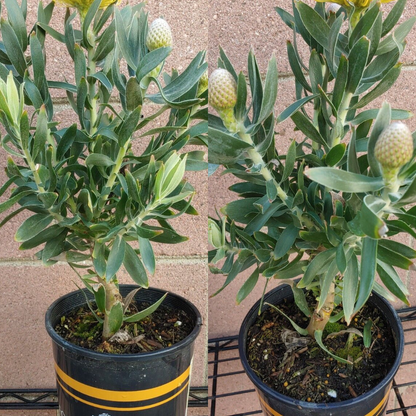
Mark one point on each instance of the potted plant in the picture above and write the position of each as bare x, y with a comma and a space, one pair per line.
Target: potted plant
325, 210
100, 190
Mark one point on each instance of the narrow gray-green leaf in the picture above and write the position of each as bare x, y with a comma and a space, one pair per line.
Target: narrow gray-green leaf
343, 181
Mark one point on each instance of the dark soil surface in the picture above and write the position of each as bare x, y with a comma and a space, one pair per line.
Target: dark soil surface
297, 367
163, 328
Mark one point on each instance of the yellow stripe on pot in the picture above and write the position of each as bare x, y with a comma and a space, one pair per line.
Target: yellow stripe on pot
374, 412
124, 409
122, 396
268, 408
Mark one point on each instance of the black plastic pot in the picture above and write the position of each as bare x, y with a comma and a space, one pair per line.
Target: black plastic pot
147, 384
372, 403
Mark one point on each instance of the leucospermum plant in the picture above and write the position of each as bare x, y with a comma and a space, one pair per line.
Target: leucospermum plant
95, 200
325, 209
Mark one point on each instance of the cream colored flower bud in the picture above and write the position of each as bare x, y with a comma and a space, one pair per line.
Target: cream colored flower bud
159, 35
222, 90
394, 147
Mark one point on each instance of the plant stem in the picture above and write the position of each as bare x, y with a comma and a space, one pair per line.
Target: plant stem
112, 296
320, 318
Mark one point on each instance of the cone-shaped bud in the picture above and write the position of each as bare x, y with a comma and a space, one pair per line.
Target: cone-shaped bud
159, 35
394, 146
222, 90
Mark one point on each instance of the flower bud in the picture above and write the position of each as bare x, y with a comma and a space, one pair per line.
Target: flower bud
159, 35
333, 7
222, 90
394, 146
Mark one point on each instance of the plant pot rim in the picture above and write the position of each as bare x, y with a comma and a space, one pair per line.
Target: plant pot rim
123, 357
304, 404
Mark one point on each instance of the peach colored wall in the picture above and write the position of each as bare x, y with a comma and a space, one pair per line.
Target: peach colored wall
237, 27
27, 288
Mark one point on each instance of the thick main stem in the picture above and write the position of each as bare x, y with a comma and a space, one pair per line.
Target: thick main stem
320, 317
112, 296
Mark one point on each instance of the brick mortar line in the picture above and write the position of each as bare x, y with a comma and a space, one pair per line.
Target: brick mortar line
187, 260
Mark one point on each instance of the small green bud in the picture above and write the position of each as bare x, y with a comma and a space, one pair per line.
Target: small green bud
394, 146
214, 234
222, 90
159, 35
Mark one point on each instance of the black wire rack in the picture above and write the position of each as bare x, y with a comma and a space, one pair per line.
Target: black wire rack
232, 393
47, 399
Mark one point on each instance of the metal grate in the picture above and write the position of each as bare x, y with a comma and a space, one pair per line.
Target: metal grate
232, 393
41, 399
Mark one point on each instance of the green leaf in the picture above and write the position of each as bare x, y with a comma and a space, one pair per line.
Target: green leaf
82, 94
290, 161
336, 154
98, 258
32, 226
151, 60
340, 81
286, 241
367, 333
384, 85
224, 148
270, 91
42, 133
371, 223
148, 256
13, 47
129, 126
4, 206
115, 258
183, 83
326, 282
115, 317
43, 236
391, 41
248, 286
80, 64
106, 43
357, 62
240, 108
343, 181
87, 20
98, 159
367, 272
314, 23
17, 21
316, 266
350, 288
318, 338
382, 121
392, 281
305, 125
293, 108
288, 272
399, 248
134, 97
297, 328
99, 296
255, 86
137, 317
134, 267
393, 17
296, 68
